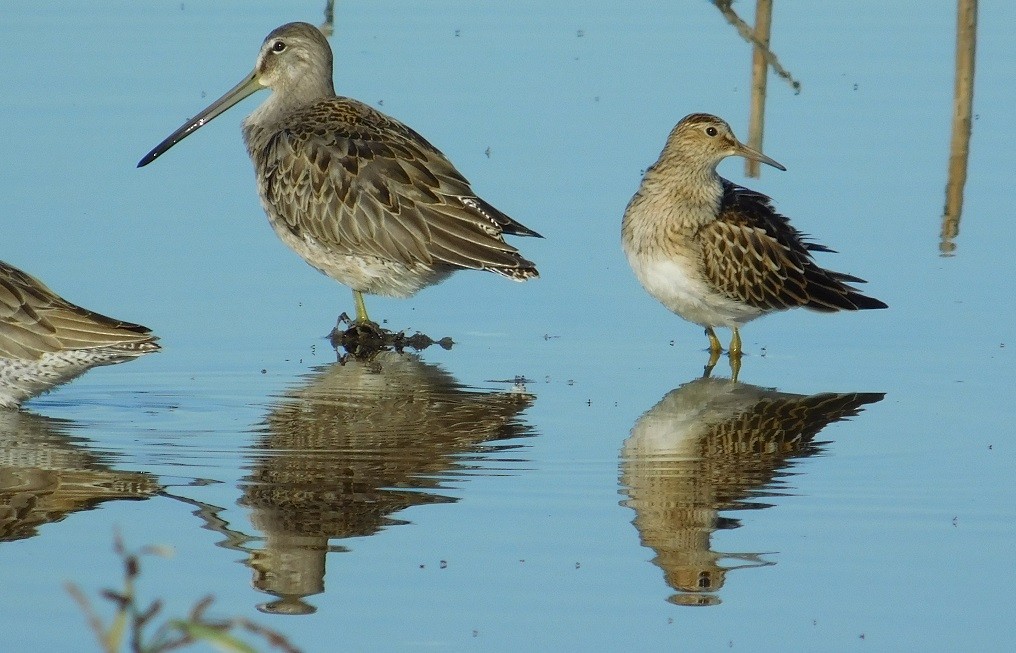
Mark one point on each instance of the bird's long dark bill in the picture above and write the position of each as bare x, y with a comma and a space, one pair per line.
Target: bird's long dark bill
249, 85
755, 155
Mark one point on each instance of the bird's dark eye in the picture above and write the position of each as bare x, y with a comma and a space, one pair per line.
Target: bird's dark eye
278, 46
711, 131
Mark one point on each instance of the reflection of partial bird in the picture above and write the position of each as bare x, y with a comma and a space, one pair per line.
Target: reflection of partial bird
46, 473
357, 194
355, 444
713, 445
717, 254
45, 340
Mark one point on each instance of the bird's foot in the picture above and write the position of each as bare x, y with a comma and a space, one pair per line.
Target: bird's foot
363, 339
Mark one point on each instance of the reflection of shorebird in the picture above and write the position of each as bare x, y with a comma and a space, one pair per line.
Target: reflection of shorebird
46, 340
46, 474
357, 443
715, 253
713, 445
360, 196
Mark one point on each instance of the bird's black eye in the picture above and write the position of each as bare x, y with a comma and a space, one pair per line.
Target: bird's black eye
711, 131
278, 46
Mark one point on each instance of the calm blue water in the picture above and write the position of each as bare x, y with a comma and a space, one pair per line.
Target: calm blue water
428, 503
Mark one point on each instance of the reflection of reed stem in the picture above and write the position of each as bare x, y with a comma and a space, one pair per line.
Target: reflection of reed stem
963, 100
744, 29
759, 75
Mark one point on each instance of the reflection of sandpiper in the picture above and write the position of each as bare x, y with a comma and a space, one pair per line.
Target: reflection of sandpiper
357, 443
713, 445
715, 253
46, 473
360, 196
46, 340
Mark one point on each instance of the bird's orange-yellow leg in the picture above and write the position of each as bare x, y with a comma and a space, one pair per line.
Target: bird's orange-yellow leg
735, 355
714, 343
711, 363
361, 308
714, 351
735, 343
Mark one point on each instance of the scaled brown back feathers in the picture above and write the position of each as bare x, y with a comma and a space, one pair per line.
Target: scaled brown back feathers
780, 272
363, 183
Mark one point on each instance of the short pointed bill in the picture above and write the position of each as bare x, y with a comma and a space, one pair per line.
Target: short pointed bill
755, 155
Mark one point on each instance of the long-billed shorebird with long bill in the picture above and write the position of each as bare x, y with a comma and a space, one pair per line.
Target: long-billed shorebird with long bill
359, 195
718, 254
45, 340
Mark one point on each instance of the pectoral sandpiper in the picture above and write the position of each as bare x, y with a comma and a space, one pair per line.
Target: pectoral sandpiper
718, 254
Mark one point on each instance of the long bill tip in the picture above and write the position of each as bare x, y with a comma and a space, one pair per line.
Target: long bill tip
161, 148
247, 86
171, 140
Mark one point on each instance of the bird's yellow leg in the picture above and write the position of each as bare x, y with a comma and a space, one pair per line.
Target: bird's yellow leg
735, 343
714, 343
361, 308
735, 355
714, 355
735, 366
714, 351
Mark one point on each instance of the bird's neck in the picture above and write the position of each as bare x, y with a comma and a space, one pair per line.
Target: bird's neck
284, 102
695, 192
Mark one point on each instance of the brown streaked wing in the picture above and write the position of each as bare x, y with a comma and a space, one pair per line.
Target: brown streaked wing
749, 448
793, 418
35, 320
754, 255
365, 184
748, 265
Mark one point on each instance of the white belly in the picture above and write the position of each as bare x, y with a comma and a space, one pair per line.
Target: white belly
677, 284
368, 274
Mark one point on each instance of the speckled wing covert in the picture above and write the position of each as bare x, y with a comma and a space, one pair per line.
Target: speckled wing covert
778, 423
780, 271
34, 320
362, 183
